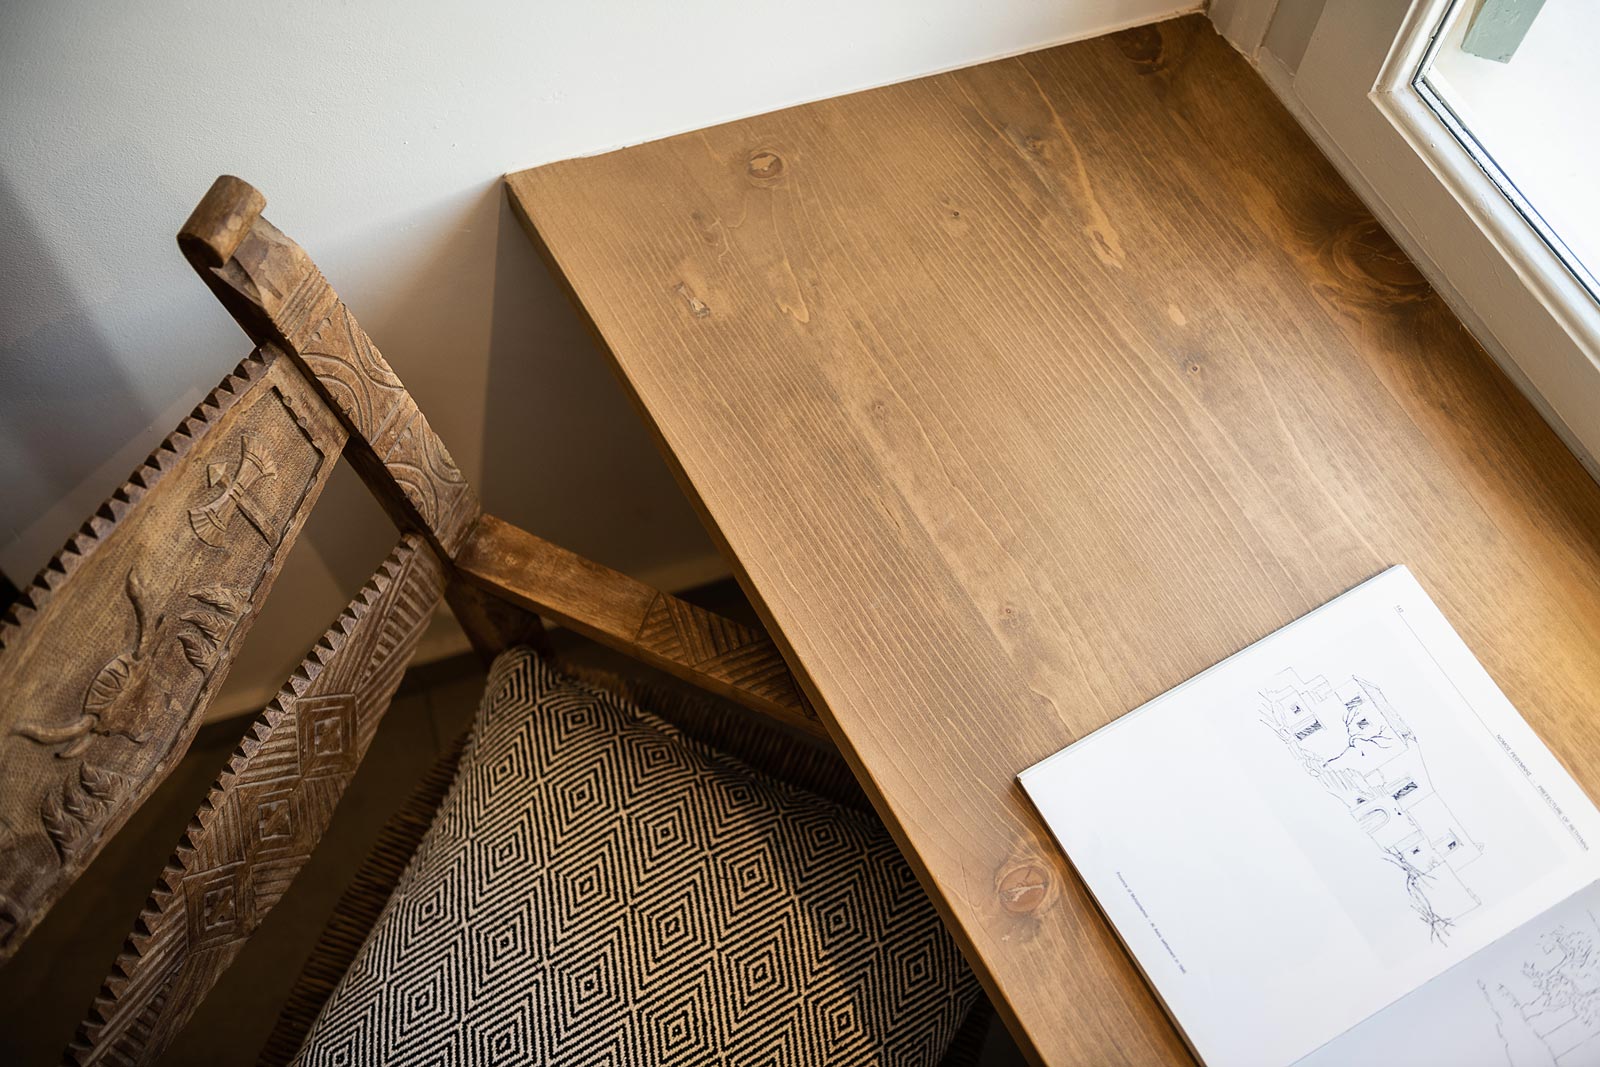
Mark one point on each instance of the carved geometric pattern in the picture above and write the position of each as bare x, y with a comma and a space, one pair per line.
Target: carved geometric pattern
216, 905
597, 888
264, 815
423, 468
109, 658
273, 817
274, 289
359, 382
309, 304
744, 658
352, 372
327, 729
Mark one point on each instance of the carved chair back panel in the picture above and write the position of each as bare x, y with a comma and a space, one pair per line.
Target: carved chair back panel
110, 658
263, 818
278, 296
105, 678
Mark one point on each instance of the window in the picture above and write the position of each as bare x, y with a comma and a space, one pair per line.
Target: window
1516, 84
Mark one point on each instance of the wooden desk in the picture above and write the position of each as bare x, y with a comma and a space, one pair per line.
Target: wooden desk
1020, 394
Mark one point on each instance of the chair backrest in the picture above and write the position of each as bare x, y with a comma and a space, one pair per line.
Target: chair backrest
110, 657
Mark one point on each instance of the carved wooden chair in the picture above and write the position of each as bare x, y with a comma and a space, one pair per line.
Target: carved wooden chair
110, 657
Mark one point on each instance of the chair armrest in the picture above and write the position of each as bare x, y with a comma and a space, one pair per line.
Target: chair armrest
702, 648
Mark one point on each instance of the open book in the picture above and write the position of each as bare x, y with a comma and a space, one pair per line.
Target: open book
1344, 846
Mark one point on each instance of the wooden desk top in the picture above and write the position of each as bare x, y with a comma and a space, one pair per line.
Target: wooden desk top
1020, 394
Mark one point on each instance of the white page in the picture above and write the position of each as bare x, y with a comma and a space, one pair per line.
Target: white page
1315, 827
1531, 999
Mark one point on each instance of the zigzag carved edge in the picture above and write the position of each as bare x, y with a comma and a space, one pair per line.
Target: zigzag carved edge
144, 478
160, 976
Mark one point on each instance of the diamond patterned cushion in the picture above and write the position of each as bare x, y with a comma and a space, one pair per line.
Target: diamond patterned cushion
598, 889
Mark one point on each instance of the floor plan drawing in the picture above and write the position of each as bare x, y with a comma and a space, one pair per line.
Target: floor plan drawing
1356, 745
1547, 1014
1342, 845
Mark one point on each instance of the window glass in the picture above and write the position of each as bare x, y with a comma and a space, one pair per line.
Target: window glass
1518, 83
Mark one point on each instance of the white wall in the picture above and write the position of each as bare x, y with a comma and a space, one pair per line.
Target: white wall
378, 132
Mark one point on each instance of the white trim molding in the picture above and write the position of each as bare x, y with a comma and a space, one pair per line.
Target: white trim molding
1243, 22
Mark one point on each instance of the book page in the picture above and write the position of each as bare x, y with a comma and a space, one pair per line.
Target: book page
1531, 999
1302, 835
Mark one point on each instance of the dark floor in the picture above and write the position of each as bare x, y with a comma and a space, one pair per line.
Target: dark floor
46, 987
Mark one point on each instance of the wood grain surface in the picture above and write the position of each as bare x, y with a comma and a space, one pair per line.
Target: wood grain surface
1020, 394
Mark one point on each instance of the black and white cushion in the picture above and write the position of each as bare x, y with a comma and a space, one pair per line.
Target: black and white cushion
599, 889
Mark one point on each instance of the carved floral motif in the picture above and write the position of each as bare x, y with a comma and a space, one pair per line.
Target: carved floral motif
78, 806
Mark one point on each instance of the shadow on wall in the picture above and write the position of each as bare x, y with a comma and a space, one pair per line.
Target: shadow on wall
464, 309
49, 343
566, 455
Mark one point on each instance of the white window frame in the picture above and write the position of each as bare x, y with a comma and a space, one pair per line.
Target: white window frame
1352, 90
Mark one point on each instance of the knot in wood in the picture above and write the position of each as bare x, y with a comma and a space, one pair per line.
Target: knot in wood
764, 165
1022, 889
1144, 46
1366, 255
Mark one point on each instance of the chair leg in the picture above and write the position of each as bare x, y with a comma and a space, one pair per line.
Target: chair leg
492, 624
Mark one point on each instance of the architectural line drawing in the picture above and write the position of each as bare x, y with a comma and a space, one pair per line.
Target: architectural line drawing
1355, 744
1548, 1013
